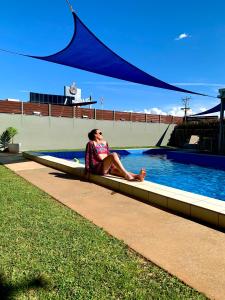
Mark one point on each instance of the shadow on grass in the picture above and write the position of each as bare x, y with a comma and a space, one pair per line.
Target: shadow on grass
8, 291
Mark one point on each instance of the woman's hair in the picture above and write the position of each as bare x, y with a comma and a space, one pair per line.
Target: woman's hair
91, 134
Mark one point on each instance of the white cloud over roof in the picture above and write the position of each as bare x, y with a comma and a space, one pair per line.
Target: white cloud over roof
182, 36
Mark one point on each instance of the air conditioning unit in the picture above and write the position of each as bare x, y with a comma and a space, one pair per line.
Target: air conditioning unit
36, 113
13, 100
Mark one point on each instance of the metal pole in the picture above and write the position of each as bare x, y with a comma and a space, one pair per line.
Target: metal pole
70, 6
221, 132
185, 108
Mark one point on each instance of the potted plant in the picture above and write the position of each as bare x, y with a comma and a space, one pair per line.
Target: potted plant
6, 140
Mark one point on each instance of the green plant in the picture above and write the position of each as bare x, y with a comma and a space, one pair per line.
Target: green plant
12, 132
7, 137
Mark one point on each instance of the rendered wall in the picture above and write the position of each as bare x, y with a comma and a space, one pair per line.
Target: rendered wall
36, 133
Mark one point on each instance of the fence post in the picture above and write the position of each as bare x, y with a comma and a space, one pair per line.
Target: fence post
131, 116
49, 114
73, 112
159, 118
49, 110
114, 115
21, 107
145, 118
22, 113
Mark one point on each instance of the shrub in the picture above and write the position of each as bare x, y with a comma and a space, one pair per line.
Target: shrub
12, 132
4, 139
7, 137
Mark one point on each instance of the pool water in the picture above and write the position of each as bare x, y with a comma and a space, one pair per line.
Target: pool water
188, 177
196, 173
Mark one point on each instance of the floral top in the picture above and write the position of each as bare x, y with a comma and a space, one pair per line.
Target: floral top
92, 159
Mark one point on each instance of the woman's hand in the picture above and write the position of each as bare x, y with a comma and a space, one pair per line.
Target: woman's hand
87, 176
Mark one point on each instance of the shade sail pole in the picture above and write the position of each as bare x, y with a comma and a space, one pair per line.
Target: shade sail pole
221, 132
70, 6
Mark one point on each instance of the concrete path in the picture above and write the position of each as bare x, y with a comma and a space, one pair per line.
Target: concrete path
191, 251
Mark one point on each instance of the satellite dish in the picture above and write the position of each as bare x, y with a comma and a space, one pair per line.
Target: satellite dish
73, 89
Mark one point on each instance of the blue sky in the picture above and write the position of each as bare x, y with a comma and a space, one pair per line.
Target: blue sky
180, 42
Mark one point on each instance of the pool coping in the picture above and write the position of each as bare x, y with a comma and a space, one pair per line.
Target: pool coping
206, 209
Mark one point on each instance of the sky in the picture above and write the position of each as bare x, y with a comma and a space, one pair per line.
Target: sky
180, 42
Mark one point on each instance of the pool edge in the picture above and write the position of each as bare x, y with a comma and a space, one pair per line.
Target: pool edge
206, 209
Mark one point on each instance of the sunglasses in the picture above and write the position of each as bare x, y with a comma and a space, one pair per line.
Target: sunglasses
99, 132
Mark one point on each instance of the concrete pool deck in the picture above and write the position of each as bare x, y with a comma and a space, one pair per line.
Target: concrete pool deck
189, 250
201, 208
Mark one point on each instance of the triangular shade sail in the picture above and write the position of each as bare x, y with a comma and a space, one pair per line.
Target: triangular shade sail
87, 52
210, 111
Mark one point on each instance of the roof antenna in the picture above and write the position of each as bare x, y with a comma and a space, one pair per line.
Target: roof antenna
70, 6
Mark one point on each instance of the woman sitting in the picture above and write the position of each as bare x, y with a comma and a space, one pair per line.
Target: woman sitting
98, 159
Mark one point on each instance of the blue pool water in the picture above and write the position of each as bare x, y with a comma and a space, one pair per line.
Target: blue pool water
163, 168
188, 177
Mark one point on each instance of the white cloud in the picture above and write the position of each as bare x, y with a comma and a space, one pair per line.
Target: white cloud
173, 111
154, 111
201, 109
182, 36
176, 111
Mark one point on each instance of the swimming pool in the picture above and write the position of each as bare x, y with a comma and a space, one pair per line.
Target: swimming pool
173, 168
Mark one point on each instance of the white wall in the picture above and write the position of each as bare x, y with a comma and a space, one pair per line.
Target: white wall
38, 132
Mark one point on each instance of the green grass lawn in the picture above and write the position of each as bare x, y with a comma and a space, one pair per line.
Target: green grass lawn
48, 251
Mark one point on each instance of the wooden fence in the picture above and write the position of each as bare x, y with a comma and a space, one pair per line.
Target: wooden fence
27, 108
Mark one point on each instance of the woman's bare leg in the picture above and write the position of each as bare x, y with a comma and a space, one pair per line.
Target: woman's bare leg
116, 172
136, 177
114, 159
119, 169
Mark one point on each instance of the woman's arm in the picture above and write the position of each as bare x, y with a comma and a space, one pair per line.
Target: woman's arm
87, 157
108, 151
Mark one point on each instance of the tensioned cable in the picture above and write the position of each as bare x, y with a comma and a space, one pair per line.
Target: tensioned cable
13, 52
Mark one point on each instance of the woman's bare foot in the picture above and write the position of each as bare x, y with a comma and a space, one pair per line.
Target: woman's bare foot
129, 177
141, 175
138, 177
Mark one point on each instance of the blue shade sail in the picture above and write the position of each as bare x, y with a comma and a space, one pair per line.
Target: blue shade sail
210, 111
86, 52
